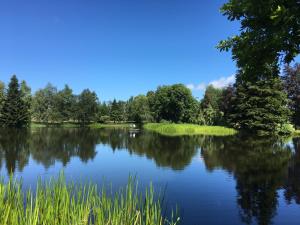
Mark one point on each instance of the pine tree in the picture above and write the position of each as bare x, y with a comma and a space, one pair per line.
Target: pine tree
291, 78
261, 107
15, 112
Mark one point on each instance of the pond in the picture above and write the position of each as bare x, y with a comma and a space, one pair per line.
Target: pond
212, 180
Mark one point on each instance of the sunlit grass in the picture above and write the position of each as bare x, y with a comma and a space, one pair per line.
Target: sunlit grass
109, 125
297, 133
188, 129
57, 203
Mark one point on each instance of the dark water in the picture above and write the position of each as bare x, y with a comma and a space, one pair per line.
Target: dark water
214, 180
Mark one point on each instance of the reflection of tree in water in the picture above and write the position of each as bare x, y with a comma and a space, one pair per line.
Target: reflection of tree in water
292, 182
14, 149
174, 152
48, 145
259, 167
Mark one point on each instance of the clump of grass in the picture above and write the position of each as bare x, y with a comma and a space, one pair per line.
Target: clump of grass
297, 133
57, 203
188, 129
109, 125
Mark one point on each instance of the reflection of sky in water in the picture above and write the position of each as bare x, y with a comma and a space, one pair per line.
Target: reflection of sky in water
207, 183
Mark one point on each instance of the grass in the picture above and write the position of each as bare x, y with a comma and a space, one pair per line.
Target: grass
188, 129
75, 125
110, 125
58, 203
297, 133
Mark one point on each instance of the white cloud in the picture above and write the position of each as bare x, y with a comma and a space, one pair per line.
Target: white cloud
197, 87
223, 82
220, 83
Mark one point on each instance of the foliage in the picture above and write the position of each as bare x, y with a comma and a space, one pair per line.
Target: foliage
15, 110
86, 107
188, 129
291, 80
174, 103
56, 202
139, 110
66, 103
44, 105
269, 33
261, 107
117, 111
2, 94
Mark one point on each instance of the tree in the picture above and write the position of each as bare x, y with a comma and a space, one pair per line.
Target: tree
269, 33
211, 105
44, 105
174, 103
87, 107
15, 112
2, 94
291, 79
116, 112
261, 107
65, 103
26, 95
139, 110
227, 103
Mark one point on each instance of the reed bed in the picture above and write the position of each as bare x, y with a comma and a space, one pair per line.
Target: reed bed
56, 202
188, 129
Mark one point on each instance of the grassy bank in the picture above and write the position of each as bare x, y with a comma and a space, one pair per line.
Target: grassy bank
56, 202
75, 125
188, 129
297, 133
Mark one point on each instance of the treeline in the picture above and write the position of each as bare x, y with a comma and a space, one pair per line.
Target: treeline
175, 103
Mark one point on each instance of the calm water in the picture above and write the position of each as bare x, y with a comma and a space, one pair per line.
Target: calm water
213, 180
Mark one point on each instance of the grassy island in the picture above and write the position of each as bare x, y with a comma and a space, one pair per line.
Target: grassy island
56, 202
188, 129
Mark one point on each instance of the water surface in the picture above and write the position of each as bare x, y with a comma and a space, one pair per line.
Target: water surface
213, 180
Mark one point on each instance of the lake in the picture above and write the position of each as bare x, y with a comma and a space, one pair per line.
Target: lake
212, 180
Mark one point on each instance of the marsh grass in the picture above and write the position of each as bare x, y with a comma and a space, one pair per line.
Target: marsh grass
188, 129
57, 203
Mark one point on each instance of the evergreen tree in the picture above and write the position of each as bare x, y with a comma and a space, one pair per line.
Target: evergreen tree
2, 94
115, 111
15, 111
260, 107
291, 80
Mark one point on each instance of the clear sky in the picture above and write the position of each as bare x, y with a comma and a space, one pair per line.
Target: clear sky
117, 48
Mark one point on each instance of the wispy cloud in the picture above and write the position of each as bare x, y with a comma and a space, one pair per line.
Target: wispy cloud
223, 82
199, 87
220, 83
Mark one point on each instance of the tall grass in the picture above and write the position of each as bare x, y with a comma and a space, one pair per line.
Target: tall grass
57, 203
188, 129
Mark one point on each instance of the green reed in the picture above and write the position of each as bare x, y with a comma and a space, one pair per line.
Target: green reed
170, 129
57, 202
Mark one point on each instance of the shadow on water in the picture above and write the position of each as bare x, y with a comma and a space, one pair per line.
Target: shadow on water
260, 167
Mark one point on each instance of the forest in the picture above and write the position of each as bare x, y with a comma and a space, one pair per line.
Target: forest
169, 104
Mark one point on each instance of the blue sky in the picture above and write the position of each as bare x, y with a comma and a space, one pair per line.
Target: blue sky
118, 48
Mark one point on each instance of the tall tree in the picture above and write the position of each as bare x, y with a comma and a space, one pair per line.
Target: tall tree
66, 103
174, 103
269, 33
15, 112
87, 107
44, 105
291, 78
211, 104
139, 110
116, 112
2, 94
